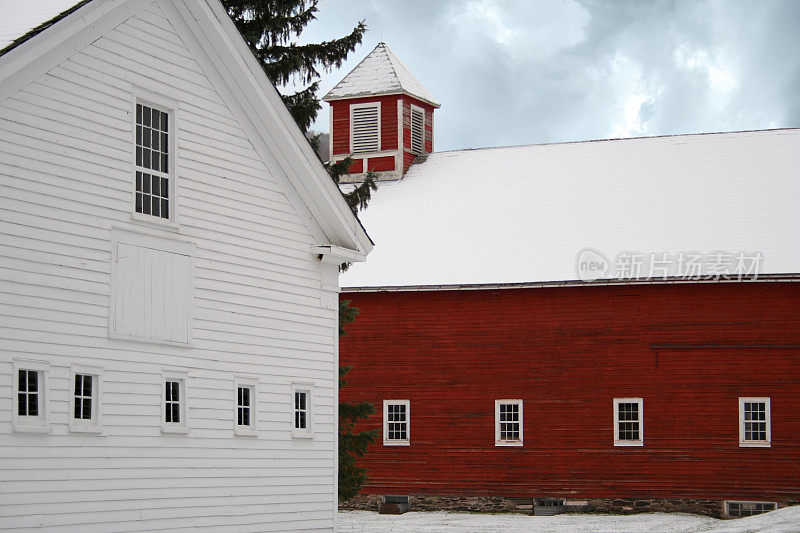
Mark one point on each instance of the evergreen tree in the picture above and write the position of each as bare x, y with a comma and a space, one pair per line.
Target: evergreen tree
268, 27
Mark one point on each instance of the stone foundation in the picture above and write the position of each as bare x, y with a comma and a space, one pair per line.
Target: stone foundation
424, 502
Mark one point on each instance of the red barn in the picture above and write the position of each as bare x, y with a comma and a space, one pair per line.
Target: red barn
606, 325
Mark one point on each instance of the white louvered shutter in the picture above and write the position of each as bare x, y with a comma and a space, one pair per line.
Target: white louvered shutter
366, 129
417, 130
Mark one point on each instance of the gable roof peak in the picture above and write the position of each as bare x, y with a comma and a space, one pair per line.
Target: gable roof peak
380, 72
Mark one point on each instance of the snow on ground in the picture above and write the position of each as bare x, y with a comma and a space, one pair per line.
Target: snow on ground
781, 521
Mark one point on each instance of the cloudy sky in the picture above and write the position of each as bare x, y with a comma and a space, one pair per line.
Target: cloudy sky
511, 72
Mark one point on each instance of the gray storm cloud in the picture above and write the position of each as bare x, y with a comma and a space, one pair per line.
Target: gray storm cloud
523, 72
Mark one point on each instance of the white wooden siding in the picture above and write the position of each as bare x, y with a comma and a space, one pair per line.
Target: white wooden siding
66, 180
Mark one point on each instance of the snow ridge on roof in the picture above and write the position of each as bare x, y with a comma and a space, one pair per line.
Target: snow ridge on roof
21, 18
381, 72
523, 214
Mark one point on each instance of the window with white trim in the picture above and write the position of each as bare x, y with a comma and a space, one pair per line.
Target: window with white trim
754, 422
29, 412
153, 187
245, 415
508, 422
742, 509
173, 413
85, 400
302, 411
628, 427
396, 422
417, 129
365, 127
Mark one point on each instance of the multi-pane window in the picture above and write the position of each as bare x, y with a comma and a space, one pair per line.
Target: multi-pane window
82, 397
396, 419
628, 430
741, 509
152, 162
84, 400
417, 129
29, 396
365, 127
302, 409
172, 402
173, 409
28, 393
508, 422
754, 422
243, 406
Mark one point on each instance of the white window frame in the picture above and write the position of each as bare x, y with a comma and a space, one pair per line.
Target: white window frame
421, 110
743, 443
94, 424
396, 442
183, 378
497, 440
628, 442
41, 422
308, 431
748, 502
251, 383
170, 106
353, 107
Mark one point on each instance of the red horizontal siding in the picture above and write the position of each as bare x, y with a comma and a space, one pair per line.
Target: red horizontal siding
340, 135
688, 350
380, 164
356, 166
341, 122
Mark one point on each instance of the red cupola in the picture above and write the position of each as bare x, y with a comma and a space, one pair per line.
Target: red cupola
381, 117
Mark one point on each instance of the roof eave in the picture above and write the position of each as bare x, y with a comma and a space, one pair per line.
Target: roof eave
761, 278
328, 98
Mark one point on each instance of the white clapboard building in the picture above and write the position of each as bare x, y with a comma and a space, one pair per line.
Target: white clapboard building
169, 246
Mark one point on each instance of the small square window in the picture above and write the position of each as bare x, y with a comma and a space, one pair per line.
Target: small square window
30, 391
245, 413
628, 427
85, 400
173, 411
754, 422
396, 422
302, 411
508, 423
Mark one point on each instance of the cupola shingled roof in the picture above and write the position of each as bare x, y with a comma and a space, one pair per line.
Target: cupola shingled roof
381, 72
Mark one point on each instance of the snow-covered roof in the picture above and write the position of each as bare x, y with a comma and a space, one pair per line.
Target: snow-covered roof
21, 17
524, 214
381, 72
